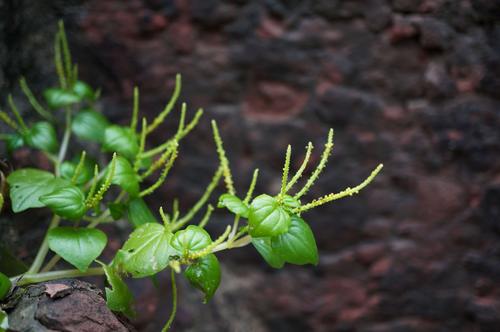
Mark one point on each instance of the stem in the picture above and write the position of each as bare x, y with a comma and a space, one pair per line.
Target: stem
52, 262
46, 276
44, 248
65, 142
174, 302
236, 244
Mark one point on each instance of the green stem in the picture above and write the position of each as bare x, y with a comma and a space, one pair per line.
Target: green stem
31, 278
65, 142
44, 248
174, 302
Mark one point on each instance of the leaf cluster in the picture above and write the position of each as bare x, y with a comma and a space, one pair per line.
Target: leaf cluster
85, 191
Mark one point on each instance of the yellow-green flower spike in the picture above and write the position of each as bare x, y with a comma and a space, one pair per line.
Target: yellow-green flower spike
286, 170
59, 62
206, 216
251, 188
175, 210
8, 120
105, 186
159, 162
165, 218
170, 105
135, 110
203, 199
302, 168
31, 98
192, 124
16, 113
1, 202
162, 177
79, 167
182, 121
320, 167
142, 145
224, 162
66, 53
343, 193
93, 187
207, 250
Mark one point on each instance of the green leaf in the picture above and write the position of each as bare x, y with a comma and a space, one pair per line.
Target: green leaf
204, 274
117, 210
125, 176
28, 185
14, 142
83, 90
297, 246
191, 239
58, 98
43, 136
147, 250
121, 140
263, 246
89, 125
68, 202
118, 297
290, 202
233, 204
68, 169
5, 285
267, 217
78, 246
4, 321
139, 213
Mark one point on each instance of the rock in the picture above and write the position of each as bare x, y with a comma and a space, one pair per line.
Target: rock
62, 305
273, 101
340, 106
406, 6
435, 34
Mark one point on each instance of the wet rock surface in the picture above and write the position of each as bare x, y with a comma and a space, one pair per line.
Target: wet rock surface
410, 83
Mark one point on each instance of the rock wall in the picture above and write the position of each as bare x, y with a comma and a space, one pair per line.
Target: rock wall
414, 84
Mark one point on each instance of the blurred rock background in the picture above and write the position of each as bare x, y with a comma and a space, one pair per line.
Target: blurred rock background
414, 84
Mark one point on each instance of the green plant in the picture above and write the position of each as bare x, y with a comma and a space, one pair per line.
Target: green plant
80, 193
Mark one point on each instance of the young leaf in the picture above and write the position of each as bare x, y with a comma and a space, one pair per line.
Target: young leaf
28, 185
83, 90
233, 204
89, 125
78, 246
139, 213
68, 169
5, 285
42, 136
68, 202
291, 202
191, 239
118, 297
58, 98
297, 246
121, 140
147, 251
267, 217
14, 142
117, 210
125, 176
263, 246
204, 274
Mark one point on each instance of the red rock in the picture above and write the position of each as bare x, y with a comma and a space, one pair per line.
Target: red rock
273, 101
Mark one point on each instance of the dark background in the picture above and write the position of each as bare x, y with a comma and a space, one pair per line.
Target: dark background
414, 84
